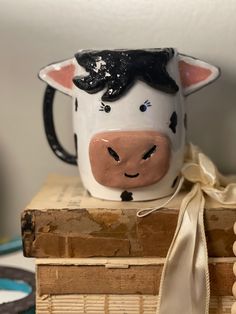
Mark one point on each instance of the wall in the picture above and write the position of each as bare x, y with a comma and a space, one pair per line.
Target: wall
35, 33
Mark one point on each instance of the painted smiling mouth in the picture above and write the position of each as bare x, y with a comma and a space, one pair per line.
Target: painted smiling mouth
132, 175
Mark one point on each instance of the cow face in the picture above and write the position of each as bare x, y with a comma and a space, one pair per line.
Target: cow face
130, 131
128, 138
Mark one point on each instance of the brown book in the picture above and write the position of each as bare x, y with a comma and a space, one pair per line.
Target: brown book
63, 221
119, 276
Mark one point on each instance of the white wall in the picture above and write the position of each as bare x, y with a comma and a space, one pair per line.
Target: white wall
35, 33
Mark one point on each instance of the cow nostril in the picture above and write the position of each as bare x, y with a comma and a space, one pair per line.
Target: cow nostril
113, 154
150, 152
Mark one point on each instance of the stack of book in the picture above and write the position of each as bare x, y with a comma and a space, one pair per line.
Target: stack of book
95, 256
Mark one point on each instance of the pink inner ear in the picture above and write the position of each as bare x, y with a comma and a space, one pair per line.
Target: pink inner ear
192, 74
63, 76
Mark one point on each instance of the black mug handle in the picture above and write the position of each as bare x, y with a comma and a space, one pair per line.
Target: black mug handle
49, 128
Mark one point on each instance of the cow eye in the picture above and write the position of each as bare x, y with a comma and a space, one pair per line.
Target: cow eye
143, 108
105, 108
145, 105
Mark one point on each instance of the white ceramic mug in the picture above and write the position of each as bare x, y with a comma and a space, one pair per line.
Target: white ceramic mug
129, 117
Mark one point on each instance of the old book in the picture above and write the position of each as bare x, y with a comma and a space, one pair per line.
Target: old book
114, 304
119, 276
63, 221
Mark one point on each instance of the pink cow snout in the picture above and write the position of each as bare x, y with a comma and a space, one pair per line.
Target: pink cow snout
129, 159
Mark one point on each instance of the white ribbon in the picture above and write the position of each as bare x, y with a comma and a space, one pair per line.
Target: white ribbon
185, 284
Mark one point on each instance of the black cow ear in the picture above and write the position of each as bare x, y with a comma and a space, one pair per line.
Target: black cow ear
195, 74
59, 75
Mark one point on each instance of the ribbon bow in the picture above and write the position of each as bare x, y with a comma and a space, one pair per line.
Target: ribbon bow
185, 284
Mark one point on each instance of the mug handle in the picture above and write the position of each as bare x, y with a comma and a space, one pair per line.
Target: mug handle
49, 128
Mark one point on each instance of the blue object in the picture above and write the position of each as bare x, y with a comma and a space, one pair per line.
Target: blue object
15, 279
14, 285
12, 245
17, 285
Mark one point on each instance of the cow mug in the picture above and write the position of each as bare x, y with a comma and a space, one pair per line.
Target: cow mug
129, 117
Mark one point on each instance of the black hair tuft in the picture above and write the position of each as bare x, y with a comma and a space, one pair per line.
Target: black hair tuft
117, 70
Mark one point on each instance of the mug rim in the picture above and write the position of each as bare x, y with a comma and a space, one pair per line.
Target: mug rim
153, 49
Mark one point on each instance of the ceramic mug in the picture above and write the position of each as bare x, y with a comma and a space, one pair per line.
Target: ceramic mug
129, 117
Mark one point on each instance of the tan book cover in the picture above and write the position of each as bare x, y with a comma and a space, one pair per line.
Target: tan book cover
63, 221
114, 304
